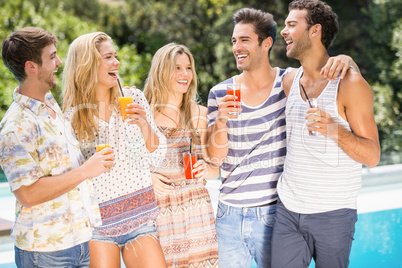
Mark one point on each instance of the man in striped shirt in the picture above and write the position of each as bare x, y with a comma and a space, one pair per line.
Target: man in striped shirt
250, 147
316, 213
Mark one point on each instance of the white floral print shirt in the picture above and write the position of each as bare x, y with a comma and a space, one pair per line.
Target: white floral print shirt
31, 147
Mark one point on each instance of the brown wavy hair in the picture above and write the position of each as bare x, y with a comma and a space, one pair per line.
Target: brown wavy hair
263, 23
25, 45
319, 12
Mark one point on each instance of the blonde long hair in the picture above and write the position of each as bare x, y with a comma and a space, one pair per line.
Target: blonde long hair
80, 78
158, 86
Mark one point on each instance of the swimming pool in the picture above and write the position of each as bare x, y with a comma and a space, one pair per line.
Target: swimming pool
378, 237
384, 246
378, 240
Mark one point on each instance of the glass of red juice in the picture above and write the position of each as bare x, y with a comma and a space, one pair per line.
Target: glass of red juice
189, 159
234, 90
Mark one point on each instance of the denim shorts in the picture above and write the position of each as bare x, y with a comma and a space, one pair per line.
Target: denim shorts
77, 256
122, 240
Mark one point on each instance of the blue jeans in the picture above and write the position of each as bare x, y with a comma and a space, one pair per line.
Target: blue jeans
77, 256
327, 237
122, 240
243, 234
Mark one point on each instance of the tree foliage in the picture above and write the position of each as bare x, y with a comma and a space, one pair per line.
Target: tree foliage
383, 62
370, 31
18, 14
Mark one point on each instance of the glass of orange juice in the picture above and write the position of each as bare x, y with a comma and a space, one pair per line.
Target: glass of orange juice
189, 159
234, 90
100, 147
123, 101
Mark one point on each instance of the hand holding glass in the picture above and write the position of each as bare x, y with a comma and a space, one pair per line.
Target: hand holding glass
313, 103
100, 147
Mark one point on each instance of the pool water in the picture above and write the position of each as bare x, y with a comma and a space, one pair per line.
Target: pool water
378, 240
5, 190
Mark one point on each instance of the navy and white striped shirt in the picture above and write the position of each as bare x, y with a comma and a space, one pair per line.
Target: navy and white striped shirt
257, 147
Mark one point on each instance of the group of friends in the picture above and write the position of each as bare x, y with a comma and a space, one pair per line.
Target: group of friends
286, 196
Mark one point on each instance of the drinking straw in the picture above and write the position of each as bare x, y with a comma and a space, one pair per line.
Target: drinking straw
191, 143
306, 96
121, 90
308, 100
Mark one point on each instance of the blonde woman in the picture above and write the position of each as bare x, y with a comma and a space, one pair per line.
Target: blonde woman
186, 223
125, 195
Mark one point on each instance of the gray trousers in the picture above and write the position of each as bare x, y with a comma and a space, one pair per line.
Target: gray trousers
327, 237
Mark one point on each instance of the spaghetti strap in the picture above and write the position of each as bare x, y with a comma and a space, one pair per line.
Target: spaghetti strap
199, 114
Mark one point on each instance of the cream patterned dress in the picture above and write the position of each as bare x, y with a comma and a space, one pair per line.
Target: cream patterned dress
186, 223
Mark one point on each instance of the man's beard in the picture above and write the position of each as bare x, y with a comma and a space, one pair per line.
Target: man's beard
299, 48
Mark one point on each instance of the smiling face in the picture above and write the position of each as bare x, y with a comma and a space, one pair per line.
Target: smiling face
50, 64
183, 74
246, 49
109, 65
296, 34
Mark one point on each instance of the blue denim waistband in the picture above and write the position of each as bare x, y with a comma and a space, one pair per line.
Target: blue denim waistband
248, 211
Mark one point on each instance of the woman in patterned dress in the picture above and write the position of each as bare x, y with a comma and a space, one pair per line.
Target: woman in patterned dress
125, 195
186, 223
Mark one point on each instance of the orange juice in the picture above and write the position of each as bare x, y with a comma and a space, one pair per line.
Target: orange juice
123, 101
236, 93
189, 159
234, 90
100, 147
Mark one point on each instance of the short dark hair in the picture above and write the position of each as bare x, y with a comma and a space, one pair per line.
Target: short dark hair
25, 45
319, 12
263, 23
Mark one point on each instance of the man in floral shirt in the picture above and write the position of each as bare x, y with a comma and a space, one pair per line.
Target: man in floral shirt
40, 156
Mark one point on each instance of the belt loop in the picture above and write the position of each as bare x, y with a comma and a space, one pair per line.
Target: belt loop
258, 212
